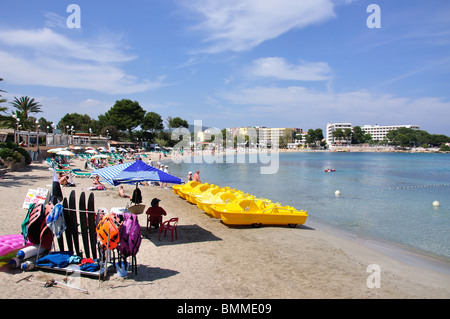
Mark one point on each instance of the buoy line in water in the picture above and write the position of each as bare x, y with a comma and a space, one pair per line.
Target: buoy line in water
412, 187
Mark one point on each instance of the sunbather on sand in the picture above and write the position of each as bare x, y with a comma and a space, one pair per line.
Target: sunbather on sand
122, 193
96, 184
65, 180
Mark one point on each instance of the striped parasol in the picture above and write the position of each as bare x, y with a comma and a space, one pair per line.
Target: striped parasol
134, 172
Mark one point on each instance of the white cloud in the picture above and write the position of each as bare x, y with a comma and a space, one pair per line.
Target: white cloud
48, 42
44, 57
240, 25
279, 68
301, 105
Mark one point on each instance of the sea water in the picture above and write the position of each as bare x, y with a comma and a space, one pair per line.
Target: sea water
383, 196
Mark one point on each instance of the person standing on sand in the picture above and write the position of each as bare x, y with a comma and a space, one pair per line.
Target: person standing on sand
196, 176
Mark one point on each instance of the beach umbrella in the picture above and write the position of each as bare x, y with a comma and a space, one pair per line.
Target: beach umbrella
135, 172
55, 150
65, 153
91, 151
100, 156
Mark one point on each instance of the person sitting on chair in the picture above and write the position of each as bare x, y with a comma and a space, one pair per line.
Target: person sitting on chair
155, 213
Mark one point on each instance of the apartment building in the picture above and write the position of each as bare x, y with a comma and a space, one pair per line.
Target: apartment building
332, 127
266, 136
378, 132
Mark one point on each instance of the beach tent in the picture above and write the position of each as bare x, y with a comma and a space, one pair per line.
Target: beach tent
134, 172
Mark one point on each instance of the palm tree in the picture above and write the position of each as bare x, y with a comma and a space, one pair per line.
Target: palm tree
26, 105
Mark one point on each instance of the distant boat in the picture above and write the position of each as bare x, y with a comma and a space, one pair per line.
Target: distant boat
330, 170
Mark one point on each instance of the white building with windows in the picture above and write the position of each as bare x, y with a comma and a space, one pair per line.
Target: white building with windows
332, 127
378, 132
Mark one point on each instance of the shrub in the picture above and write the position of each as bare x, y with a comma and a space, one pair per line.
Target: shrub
14, 152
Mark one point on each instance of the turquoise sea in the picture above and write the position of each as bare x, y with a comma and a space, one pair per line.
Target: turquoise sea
386, 197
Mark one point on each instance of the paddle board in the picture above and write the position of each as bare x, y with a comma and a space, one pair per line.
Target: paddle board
83, 225
91, 225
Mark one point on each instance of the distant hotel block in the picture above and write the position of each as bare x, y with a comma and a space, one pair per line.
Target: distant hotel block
378, 132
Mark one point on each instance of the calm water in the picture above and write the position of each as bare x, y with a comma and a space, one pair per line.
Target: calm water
384, 196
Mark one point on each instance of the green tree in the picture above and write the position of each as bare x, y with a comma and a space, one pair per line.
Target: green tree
358, 135
126, 115
43, 124
314, 137
338, 134
407, 137
152, 122
80, 122
348, 135
178, 122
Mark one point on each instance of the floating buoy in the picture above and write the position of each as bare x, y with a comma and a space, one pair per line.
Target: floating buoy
337, 193
436, 203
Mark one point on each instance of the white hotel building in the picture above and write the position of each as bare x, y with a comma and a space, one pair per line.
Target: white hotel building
378, 132
331, 127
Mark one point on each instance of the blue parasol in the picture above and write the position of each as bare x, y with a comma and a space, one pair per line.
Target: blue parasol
134, 172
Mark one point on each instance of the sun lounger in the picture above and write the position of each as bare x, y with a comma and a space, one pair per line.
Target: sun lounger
81, 174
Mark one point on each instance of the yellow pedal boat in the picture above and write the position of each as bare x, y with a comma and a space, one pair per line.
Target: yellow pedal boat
195, 196
229, 202
189, 185
221, 198
197, 190
247, 212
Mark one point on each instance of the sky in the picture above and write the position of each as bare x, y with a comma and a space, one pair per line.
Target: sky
233, 63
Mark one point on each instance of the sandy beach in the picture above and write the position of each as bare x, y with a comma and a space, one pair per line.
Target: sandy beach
210, 260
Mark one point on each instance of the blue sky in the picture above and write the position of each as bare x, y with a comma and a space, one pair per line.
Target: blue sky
284, 63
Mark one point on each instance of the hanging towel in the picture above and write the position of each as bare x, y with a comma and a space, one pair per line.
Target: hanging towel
55, 220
